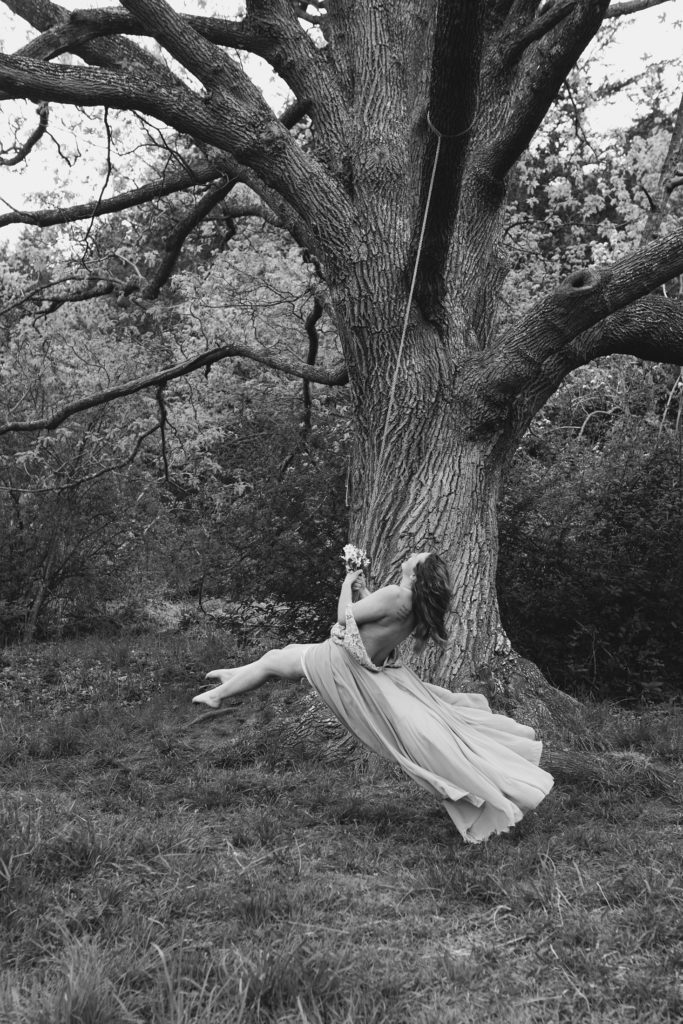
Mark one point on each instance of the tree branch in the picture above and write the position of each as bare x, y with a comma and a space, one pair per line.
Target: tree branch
319, 375
250, 135
207, 62
60, 34
528, 85
74, 484
272, 32
583, 300
26, 78
632, 7
537, 28
165, 186
93, 291
174, 242
33, 139
651, 329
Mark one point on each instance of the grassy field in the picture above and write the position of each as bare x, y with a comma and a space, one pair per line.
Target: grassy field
154, 873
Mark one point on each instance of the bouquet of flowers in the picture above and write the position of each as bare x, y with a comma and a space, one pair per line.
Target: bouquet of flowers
355, 558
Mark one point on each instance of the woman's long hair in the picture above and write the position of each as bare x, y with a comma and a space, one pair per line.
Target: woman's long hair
431, 597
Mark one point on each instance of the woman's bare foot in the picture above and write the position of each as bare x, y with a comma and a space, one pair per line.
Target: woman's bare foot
208, 699
213, 697
221, 674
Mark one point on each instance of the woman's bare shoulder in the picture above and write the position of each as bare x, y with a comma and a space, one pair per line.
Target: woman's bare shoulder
389, 600
392, 592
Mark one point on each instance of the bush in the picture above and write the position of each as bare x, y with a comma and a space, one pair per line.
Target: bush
592, 558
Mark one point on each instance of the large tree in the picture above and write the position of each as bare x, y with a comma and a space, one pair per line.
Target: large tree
419, 112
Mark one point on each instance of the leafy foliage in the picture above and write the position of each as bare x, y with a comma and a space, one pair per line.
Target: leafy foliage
592, 535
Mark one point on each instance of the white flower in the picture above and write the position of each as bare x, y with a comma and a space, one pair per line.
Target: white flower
355, 558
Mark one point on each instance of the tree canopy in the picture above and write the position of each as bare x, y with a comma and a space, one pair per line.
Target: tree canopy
399, 154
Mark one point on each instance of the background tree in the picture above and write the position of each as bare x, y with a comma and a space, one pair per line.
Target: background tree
414, 139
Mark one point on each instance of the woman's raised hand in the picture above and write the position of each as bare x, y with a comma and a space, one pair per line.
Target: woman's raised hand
357, 578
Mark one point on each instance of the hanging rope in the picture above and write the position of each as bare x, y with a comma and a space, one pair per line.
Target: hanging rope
411, 292
406, 318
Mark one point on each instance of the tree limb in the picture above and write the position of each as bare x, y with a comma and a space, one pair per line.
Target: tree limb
207, 62
582, 301
632, 7
92, 291
170, 183
174, 242
251, 135
26, 78
529, 84
57, 37
651, 329
272, 32
537, 28
26, 296
319, 375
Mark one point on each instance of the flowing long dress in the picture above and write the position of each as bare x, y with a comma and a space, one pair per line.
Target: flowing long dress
482, 766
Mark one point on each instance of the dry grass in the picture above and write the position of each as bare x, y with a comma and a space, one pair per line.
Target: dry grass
158, 876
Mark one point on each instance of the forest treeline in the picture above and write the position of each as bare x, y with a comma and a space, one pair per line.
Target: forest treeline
224, 493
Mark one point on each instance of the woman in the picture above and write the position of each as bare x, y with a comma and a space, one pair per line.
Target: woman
483, 767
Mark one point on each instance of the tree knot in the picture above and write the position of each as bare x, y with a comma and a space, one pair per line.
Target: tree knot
585, 280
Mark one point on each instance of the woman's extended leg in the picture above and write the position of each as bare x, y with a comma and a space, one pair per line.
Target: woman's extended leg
284, 663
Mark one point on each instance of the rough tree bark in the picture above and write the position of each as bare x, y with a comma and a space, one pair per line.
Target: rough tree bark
440, 408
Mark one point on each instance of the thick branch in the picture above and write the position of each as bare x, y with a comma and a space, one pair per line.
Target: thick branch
59, 35
537, 28
585, 299
207, 62
318, 375
252, 135
526, 87
271, 32
651, 328
25, 78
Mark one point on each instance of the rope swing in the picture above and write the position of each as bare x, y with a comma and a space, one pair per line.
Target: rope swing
411, 292
392, 392
439, 137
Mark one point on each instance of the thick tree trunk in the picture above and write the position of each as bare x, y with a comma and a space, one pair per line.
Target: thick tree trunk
428, 483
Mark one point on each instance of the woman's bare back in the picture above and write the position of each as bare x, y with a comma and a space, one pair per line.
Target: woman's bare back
380, 636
